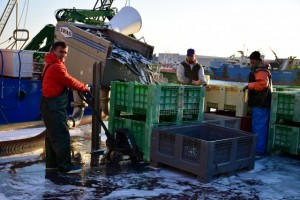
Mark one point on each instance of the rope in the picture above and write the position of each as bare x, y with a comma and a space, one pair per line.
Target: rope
11, 45
6, 40
26, 14
25, 3
22, 14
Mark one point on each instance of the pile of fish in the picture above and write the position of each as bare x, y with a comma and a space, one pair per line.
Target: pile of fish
133, 61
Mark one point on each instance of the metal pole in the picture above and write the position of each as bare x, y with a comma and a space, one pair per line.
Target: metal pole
96, 128
17, 23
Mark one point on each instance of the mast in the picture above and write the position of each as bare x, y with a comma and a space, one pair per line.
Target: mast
6, 14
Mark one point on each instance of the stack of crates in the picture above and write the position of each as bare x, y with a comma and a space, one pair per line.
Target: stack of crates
141, 107
284, 129
227, 98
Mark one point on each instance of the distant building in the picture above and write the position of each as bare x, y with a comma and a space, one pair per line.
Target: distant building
173, 59
167, 58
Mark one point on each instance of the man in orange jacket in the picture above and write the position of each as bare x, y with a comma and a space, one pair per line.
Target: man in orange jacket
259, 86
53, 106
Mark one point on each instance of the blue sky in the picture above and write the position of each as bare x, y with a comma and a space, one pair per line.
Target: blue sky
212, 27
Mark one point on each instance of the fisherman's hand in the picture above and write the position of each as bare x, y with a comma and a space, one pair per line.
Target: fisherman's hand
196, 82
87, 88
208, 88
245, 88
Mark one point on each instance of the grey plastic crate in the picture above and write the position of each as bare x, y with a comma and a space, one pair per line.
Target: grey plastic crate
221, 120
203, 149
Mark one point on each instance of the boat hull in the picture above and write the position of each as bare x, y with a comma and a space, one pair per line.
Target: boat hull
19, 100
236, 73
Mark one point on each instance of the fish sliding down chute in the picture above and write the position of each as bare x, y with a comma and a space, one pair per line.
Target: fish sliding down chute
124, 57
127, 21
132, 60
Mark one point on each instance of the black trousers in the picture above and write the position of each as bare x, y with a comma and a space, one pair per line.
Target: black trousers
57, 140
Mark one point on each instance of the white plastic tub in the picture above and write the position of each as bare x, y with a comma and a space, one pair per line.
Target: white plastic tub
15, 60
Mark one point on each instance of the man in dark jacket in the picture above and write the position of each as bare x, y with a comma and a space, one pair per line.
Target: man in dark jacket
190, 72
259, 87
53, 105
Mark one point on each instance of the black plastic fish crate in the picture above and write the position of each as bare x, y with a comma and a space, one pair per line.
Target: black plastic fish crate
203, 149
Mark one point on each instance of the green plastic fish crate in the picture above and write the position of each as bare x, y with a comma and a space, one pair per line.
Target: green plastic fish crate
286, 88
137, 97
129, 95
193, 105
285, 106
284, 138
169, 96
140, 96
141, 132
121, 93
180, 102
193, 98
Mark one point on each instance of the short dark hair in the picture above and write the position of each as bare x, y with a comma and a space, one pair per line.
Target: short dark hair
255, 55
58, 44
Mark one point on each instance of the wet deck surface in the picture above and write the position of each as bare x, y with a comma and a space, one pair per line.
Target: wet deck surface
24, 177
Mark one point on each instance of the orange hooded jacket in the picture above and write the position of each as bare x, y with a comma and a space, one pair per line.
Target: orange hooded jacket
262, 81
57, 78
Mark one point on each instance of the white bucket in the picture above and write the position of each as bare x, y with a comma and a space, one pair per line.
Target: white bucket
127, 21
